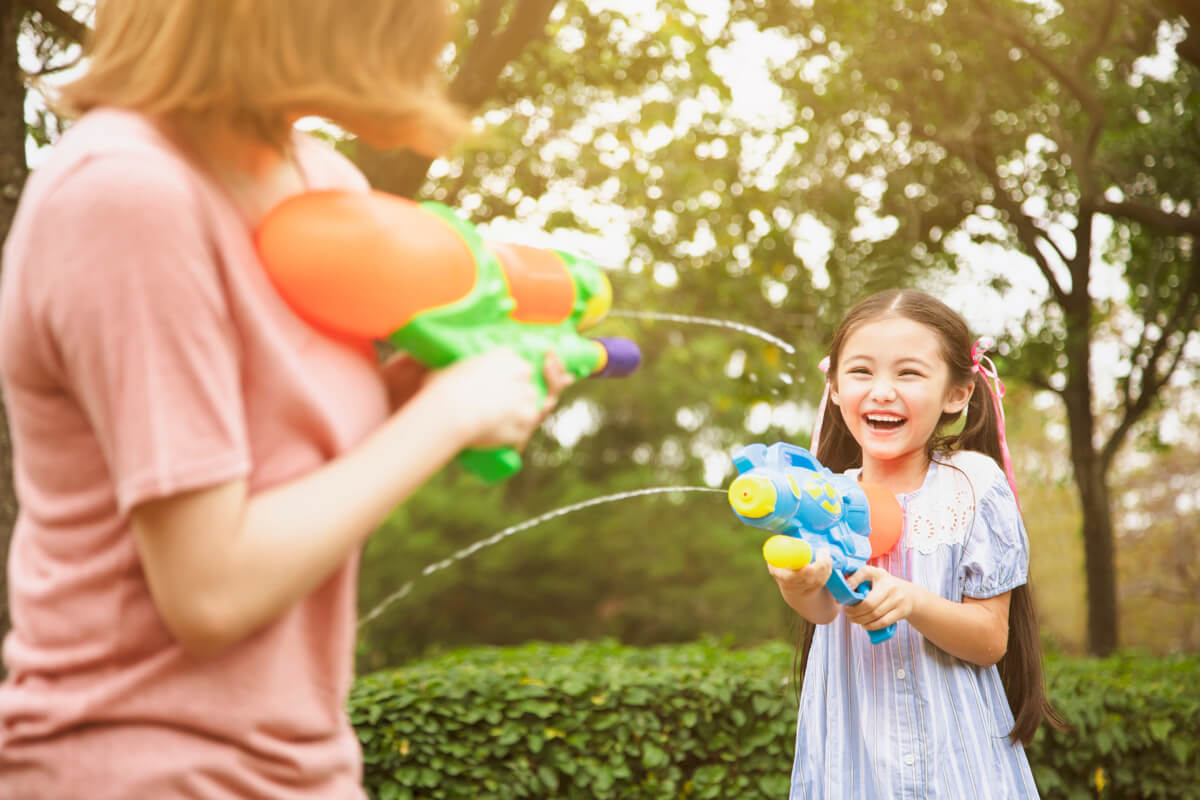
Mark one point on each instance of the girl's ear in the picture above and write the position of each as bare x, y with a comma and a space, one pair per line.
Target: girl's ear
833, 394
958, 397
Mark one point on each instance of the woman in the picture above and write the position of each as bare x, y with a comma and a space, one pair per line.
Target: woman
197, 469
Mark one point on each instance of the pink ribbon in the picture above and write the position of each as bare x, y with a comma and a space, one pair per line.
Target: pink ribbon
983, 364
816, 434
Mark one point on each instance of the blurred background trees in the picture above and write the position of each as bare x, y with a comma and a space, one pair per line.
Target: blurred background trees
770, 162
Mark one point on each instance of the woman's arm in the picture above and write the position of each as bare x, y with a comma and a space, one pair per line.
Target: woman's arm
974, 630
222, 563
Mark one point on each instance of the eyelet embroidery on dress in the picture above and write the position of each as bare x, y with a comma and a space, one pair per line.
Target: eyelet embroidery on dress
948, 524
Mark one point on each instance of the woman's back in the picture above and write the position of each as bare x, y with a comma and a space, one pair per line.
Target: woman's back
144, 353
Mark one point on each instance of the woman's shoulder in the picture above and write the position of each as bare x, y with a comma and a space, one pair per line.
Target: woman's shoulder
119, 134
108, 154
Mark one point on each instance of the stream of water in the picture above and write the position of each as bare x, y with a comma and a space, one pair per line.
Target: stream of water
471, 550
716, 323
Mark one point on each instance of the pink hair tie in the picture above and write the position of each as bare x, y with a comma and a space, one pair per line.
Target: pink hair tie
982, 364
816, 434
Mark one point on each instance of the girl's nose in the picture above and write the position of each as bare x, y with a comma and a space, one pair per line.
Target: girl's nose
883, 391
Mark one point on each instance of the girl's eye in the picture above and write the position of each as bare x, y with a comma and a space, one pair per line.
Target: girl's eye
859, 371
910, 372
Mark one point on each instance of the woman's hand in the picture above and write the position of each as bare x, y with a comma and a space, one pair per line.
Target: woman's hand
801, 588
890, 600
492, 397
557, 380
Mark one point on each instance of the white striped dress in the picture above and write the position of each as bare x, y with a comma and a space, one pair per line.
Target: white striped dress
904, 719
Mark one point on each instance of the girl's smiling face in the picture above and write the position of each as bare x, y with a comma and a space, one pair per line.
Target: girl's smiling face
892, 386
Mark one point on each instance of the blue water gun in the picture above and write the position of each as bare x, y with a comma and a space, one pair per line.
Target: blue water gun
785, 490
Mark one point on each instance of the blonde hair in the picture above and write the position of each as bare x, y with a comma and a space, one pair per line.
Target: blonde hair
367, 65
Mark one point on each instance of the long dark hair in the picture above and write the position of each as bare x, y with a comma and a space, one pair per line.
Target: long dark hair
1021, 666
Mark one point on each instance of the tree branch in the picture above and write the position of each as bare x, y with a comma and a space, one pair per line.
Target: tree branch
1189, 48
1151, 217
1045, 237
1185, 321
492, 52
401, 171
1027, 231
1103, 29
1041, 56
63, 22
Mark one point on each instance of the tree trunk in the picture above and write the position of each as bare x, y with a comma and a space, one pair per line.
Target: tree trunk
1103, 622
12, 179
1090, 478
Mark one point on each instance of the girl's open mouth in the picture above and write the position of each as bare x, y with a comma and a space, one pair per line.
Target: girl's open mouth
884, 422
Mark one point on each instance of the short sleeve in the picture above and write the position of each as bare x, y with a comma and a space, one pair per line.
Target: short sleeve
995, 557
131, 292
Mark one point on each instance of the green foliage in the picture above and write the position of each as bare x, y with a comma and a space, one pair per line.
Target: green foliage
702, 720
1136, 729
581, 721
659, 568
908, 130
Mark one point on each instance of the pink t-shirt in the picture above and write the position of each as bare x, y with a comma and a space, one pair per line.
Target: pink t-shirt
143, 353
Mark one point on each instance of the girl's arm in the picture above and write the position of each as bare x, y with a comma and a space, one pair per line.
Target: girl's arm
221, 563
804, 589
974, 630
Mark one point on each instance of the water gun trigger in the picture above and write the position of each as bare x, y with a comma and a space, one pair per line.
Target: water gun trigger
841, 591
491, 464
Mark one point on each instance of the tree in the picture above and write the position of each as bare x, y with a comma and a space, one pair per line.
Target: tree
897, 129
905, 128
1037, 128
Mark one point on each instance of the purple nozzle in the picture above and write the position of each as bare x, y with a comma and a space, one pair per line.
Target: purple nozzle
623, 357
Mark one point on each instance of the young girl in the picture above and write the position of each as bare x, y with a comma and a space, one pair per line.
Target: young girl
943, 708
197, 468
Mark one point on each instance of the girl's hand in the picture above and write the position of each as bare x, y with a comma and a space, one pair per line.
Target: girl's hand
798, 585
890, 599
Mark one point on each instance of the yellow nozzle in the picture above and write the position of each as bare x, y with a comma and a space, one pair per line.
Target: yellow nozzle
601, 358
752, 496
787, 552
598, 305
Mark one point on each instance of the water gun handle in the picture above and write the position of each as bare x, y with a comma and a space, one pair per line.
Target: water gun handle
842, 592
882, 635
621, 357
493, 464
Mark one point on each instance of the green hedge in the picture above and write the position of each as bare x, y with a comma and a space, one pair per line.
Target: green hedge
600, 720
1136, 733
